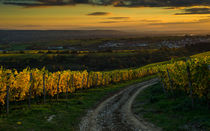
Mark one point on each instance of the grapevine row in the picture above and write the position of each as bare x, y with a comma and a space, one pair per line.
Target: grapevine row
35, 82
190, 77
31, 83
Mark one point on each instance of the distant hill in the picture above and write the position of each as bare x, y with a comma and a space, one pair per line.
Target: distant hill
28, 36
16, 36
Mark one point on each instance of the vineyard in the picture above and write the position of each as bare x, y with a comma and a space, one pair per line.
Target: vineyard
190, 77
30, 83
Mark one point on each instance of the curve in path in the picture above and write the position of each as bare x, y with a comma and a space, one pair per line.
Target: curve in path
114, 114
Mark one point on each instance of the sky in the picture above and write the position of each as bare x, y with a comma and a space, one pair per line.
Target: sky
125, 15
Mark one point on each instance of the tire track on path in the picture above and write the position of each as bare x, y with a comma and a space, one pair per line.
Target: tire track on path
115, 114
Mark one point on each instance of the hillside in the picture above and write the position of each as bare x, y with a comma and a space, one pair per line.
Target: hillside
18, 36
66, 95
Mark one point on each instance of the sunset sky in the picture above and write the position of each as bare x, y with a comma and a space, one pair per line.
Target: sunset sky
126, 15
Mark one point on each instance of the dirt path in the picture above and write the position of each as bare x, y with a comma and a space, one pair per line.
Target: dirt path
114, 114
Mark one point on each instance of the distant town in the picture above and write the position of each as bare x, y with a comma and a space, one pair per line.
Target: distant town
99, 40
144, 44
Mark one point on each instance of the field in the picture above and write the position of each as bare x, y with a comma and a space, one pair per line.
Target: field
55, 60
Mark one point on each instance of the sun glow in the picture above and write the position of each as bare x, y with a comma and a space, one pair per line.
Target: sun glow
83, 16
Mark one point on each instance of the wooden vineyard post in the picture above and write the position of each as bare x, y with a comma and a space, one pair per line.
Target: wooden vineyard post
44, 91
29, 96
108, 79
121, 75
102, 79
59, 76
72, 82
111, 78
163, 83
7, 96
83, 79
87, 80
190, 85
96, 83
170, 82
67, 88
116, 75
93, 80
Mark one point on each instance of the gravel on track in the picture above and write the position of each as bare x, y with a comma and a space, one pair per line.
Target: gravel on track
115, 113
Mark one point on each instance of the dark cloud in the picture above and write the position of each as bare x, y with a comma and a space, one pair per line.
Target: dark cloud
118, 18
117, 21
173, 23
195, 11
170, 8
36, 3
161, 3
117, 3
99, 13
150, 21
110, 22
181, 23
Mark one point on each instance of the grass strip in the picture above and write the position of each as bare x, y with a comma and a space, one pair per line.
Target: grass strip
169, 113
